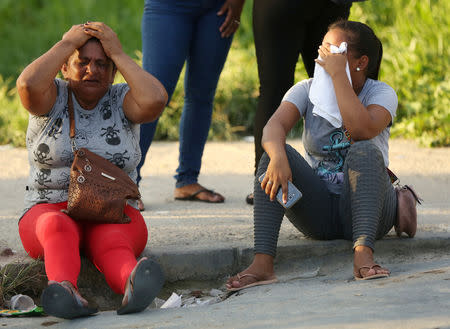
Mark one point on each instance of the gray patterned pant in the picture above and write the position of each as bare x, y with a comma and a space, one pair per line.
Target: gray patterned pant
363, 212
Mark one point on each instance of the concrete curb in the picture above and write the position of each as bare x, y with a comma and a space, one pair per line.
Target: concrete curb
212, 264
215, 264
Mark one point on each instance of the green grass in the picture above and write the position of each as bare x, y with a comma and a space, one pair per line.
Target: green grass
18, 278
416, 62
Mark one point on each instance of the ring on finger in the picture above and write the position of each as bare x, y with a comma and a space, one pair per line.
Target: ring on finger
269, 182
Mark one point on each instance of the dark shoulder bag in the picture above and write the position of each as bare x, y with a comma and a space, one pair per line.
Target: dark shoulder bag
98, 189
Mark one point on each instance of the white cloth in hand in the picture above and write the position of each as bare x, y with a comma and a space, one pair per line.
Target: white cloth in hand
322, 93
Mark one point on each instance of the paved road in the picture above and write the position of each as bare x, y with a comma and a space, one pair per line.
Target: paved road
203, 241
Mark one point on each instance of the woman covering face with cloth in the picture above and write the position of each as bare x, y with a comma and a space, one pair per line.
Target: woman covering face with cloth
347, 192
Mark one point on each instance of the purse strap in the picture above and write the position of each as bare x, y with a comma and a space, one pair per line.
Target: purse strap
71, 119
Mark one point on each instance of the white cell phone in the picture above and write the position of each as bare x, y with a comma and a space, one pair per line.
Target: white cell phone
293, 194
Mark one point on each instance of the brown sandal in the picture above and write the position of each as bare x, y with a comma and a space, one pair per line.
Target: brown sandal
358, 275
256, 283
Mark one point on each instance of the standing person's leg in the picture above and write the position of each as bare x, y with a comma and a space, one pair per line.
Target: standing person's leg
314, 215
278, 39
325, 13
113, 249
166, 36
368, 205
205, 62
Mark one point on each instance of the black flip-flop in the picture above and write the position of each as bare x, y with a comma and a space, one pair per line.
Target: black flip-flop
193, 196
58, 301
145, 286
250, 199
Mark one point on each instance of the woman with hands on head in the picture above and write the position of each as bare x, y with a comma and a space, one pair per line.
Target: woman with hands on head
198, 32
107, 122
347, 193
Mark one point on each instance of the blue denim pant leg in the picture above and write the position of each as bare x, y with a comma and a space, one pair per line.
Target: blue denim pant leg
165, 45
205, 62
173, 34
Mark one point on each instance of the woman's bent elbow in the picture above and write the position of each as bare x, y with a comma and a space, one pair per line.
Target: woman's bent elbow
25, 92
154, 110
160, 104
23, 86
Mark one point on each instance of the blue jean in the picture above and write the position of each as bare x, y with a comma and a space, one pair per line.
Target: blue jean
175, 32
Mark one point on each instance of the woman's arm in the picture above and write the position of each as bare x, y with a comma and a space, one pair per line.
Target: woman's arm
274, 143
35, 85
147, 96
362, 122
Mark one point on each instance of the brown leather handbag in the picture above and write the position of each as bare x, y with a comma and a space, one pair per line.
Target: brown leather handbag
98, 189
407, 200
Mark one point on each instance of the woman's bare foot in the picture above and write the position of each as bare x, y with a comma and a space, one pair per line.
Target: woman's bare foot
260, 272
364, 267
196, 192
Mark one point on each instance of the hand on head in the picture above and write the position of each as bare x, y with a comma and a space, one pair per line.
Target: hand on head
106, 35
89, 69
79, 34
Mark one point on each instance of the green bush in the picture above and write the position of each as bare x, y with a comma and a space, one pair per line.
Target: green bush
416, 62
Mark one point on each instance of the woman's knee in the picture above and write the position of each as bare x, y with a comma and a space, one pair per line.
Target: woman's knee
102, 238
50, 224
365, 149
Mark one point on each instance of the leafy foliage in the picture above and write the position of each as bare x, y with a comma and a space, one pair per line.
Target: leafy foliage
416, 62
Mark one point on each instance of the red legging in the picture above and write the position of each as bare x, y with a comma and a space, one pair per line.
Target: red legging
48, 233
